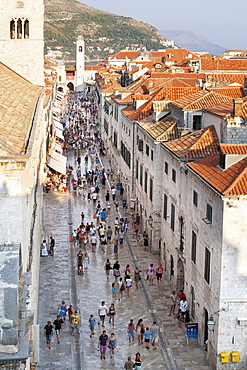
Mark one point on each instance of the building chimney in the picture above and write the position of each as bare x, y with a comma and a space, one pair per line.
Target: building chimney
237, 110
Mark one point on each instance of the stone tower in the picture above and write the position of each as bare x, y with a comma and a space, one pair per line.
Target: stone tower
21, 38
80, 54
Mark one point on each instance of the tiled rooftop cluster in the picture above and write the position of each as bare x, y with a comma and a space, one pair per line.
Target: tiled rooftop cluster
189, 82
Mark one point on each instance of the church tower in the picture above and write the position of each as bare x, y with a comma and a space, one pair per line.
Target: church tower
21, 38
80, 54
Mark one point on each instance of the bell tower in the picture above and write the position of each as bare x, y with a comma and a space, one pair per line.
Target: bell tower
80, 54
21, 38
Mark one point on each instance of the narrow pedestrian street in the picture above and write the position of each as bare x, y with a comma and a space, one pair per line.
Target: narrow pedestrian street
59, 281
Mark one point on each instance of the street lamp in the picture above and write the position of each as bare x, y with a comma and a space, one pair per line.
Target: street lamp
211, 324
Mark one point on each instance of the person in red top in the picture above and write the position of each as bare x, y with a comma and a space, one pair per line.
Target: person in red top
182, 295
70, 312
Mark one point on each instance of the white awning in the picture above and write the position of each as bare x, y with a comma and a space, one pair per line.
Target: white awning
59, 133
57, 162
58, 125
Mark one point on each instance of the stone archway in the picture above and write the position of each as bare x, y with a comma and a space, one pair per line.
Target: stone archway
70, 86
180, 275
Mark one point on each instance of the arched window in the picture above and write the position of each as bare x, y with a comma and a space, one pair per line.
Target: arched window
19, 29
80, 49
12, 29
26, 29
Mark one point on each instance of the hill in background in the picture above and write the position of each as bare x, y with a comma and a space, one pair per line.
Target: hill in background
104, 33
192, 41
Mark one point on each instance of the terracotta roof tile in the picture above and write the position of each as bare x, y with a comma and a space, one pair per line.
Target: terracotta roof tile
208, 64
201, 100
229, 182
231, 92
163, 130
199, 144
233, 149
18, 99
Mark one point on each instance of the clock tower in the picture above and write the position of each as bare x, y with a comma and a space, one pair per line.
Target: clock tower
21, 38
80, 54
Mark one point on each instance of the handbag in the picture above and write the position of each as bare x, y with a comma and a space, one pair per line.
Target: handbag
122, 287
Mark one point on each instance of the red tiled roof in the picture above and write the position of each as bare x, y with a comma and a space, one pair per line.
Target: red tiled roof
165, 93
221, 109
201, 100
208, 64
233, 149
198, 144
233, 92
197, 76
229, 182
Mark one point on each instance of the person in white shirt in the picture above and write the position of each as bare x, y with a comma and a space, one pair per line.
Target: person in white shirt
102, 311
183, 306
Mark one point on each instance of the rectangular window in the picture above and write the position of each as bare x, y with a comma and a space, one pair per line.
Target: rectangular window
209, 214
165, 207
137, 169
172, 217
166, 168
193, 246
141, 175
207, 265
147, 150
146, 182
152, 155
195, 198
173, 175
151, 189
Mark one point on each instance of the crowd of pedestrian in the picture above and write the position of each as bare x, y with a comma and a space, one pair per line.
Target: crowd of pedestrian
89, 179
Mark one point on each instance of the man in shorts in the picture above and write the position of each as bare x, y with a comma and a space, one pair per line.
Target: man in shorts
102, 344
75, 318
58, 326
155, 334
48, 332
102, 311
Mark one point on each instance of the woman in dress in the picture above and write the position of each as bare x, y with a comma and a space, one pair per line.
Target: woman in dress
62, 310
107, 268
112, 313
86, 261
137, 277
140, 331
44, 252
116, 268
121, 288
112, 344
150, 273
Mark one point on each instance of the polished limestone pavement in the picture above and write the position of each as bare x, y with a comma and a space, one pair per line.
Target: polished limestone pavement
59, 281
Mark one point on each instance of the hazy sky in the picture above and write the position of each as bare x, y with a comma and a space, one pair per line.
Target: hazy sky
222, 22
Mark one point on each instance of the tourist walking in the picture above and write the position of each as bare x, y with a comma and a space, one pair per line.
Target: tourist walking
129, 364
115, 248
112, 313
116, 270
130, 331
102, 344
102, 311
121, 288
155, 334
62, 310
137, 277
159, 273
58, 326
112, 344
48, 332
113, 290
140, 331
173, 297
107, 268
150, 273
44, 252
138, 361
128, 283
91, 321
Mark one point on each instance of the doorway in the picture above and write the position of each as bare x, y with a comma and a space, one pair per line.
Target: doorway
205, 325
180, 275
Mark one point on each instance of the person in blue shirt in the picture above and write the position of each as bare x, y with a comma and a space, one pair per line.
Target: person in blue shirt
147, 336
91, 321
